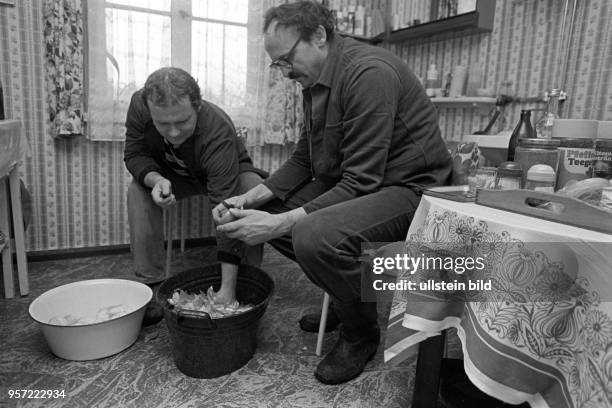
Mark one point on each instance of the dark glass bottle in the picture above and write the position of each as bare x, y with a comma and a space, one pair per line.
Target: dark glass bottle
523, 130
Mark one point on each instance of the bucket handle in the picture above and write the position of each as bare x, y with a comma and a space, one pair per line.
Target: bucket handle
195, 314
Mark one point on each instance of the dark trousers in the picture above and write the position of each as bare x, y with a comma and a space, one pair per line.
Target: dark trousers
327, 244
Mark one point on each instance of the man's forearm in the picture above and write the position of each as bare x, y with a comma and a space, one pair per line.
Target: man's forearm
258, 195
152, 178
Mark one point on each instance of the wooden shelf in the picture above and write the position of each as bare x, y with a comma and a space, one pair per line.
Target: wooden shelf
371, 40
481, 103
480, 20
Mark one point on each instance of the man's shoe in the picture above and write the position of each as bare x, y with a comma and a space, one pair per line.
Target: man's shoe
347, 359
154, 312
310, 322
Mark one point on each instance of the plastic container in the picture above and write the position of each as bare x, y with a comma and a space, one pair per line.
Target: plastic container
602, 160
360, 21
432, 80
509, 176
530, 152
457, 84
575, 160
575, 129
541, 177
604, 129
208, 348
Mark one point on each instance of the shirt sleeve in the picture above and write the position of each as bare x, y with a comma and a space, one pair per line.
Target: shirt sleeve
219, 160
137, 154
294, 173
369, 102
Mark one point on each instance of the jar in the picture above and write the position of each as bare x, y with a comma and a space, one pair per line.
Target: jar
602, 164
530, 152
482, 177
541, 177
509, 176
575, 160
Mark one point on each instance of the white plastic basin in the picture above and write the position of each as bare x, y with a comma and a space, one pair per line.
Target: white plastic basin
86, 298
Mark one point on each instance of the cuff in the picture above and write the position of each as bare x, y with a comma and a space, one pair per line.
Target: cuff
228, 257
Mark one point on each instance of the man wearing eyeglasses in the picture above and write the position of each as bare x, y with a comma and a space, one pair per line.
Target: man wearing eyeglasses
370, 144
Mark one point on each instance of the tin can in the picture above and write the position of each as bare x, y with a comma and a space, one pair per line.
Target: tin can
575, 160
602, 164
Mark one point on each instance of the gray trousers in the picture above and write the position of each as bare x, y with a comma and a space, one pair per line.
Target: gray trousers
146, 225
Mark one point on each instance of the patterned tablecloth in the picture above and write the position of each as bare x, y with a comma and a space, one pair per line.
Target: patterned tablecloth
542, 332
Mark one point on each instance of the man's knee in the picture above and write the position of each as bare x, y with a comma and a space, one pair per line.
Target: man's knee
138, 193
308, 237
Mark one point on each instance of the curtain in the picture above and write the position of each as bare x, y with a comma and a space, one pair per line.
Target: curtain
63, 35
228, 61
277, 115
123, 48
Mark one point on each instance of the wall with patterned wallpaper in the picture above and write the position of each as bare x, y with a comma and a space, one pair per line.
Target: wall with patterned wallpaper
523, 49
78, 187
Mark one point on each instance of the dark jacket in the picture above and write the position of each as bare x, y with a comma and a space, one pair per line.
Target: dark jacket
368, 124
214, 155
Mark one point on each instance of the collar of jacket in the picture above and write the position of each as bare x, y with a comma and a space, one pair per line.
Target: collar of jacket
326, 77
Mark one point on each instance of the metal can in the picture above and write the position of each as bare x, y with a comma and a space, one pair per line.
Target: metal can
575, 160
602, 164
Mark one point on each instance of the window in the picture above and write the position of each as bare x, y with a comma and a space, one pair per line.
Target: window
129, 39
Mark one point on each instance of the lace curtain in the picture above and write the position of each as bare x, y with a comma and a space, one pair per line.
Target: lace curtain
229, 63
63, 36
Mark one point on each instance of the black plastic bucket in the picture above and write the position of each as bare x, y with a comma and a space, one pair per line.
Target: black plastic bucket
209, 348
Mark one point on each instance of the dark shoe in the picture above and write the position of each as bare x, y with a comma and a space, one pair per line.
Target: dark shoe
347, 359
154, 312
310, 322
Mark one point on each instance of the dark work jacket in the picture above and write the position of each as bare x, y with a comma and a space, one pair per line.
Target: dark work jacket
214, 155
368, 124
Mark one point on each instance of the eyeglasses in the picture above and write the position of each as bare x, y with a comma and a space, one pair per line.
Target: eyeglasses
285, 60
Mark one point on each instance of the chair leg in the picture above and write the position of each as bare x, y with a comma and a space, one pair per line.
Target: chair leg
168, 233
322, 323
5, 240
183, 218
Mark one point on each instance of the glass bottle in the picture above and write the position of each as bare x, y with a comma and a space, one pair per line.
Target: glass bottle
523, 130
544, 127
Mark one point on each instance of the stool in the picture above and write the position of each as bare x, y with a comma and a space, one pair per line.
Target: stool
10, 202
181, 210
322, 323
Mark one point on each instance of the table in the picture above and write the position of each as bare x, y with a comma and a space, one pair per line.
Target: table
542, 333
13, 149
